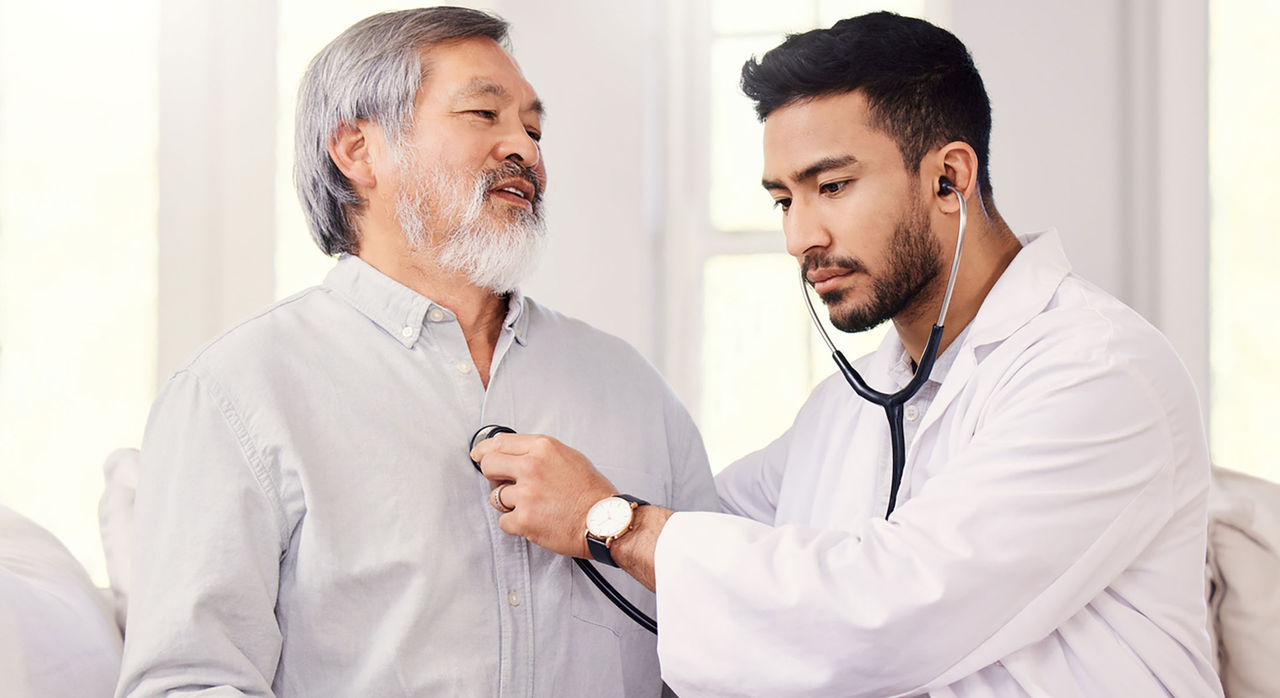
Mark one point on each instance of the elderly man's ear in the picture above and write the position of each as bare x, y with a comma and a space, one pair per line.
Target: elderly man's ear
352, 149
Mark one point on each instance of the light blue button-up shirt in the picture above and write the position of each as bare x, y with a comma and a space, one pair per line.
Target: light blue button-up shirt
309, 522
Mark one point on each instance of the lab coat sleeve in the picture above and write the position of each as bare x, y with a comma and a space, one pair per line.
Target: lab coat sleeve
1066, 480
751, 485
207, 548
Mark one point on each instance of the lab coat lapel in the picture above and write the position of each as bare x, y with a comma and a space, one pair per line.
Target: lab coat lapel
1020, 294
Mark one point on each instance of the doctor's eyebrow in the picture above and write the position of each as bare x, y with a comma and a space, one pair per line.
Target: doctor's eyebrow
479, 87
817, 168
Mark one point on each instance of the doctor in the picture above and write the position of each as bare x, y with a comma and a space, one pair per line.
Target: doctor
1049, 534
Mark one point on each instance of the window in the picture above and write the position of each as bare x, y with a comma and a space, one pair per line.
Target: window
759, 357
1244, 174
78, 200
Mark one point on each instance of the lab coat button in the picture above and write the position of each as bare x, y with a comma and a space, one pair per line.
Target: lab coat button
407, 332
912, 413
436, 315
464, 367
513, 598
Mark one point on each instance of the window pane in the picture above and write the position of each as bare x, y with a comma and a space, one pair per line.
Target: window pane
77, 253
760, 355
1244, 161
737, 200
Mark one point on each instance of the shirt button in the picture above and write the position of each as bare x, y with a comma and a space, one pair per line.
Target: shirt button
912, 413
436, 315
513, 598
407, 332
464, 367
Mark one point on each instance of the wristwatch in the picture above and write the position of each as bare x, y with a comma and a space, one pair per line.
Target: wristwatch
608, 520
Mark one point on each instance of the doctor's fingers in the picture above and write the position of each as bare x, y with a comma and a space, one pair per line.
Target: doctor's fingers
503, 467
545, 517
515, 444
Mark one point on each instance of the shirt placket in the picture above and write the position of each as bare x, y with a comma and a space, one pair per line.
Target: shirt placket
510, 553
515, 582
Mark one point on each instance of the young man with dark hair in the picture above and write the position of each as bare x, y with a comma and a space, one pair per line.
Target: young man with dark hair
1049, 530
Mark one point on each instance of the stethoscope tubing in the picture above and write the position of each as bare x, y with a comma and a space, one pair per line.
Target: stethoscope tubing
893, 402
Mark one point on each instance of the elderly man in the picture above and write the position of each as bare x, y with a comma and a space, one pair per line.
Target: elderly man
309, 522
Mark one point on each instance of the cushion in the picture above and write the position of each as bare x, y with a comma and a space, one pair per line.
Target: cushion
58, 636
1244, 582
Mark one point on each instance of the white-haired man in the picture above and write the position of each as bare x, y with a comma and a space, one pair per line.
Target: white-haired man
309, 522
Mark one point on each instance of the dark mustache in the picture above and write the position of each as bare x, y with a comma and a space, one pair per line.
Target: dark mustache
823, 260
511, 168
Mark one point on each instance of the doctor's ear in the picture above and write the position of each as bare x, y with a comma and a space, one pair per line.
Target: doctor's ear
351, 149
954, 166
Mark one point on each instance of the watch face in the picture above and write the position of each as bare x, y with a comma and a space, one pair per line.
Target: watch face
609, 517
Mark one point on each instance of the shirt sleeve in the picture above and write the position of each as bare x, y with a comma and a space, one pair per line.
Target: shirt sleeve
692, 488
207, 546
1066, 481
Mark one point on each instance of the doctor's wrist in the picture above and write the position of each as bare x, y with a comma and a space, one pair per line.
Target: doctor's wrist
634, 551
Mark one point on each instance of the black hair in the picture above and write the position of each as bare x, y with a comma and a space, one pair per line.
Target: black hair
919, 80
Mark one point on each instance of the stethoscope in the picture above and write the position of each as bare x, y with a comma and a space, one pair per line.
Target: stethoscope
644, 621
893, 402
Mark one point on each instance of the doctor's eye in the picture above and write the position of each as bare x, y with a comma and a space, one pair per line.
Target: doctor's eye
783, 204
488, 114
833, 187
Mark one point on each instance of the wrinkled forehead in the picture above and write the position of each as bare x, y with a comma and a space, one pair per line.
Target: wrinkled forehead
476, 69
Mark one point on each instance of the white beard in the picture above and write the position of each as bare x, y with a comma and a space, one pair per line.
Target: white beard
494, 249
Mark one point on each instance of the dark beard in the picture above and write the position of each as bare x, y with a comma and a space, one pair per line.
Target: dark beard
915, 260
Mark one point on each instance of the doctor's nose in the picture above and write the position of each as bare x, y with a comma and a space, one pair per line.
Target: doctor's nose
803, 231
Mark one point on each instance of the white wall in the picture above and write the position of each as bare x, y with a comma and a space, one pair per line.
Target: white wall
597, 68
216, 166
1100, 129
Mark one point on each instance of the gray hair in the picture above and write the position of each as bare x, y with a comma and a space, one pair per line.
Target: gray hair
371, 71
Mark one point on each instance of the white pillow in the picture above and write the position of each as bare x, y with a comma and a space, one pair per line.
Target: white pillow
58, 636
1244, 571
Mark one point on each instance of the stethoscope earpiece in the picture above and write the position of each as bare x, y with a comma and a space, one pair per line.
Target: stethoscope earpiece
945, 186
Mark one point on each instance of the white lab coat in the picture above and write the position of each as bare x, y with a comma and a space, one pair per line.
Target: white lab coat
1049, 538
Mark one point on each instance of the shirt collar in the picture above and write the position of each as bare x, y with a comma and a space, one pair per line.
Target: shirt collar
902, 367
398, 309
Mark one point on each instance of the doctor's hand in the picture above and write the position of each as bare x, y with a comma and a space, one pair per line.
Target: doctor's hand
547, 486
